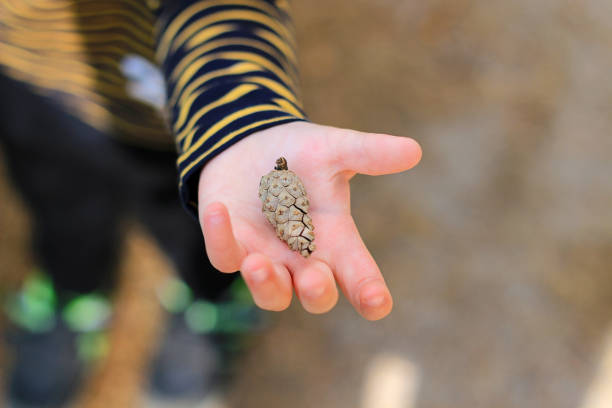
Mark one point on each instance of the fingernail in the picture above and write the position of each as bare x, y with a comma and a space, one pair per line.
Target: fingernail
315, 291
215, 218
259, 276
375, 301
373, 295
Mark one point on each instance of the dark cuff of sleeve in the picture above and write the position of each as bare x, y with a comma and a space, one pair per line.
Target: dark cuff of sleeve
230, 72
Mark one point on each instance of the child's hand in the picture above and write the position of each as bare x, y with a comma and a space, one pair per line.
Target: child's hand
238, 236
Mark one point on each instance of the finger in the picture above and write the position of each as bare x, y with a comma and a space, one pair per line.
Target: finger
224, 252
315, 286
269, 283
376, 154
358, 275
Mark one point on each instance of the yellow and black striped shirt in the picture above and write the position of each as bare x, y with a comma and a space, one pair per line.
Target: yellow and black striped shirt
229, 68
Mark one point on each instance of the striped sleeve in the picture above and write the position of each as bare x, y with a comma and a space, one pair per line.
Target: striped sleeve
230, 69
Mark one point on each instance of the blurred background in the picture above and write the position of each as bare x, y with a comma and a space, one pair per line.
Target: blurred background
497, 247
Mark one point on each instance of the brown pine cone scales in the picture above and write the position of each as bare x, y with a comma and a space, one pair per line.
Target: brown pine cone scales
285, 205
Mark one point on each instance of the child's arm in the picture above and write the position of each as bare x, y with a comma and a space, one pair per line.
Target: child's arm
230, 68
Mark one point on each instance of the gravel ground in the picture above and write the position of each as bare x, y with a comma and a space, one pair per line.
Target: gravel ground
498, 247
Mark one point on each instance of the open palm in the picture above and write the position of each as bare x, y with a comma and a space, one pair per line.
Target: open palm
238, 236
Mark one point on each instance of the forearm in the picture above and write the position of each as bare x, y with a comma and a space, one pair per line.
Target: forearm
230, 68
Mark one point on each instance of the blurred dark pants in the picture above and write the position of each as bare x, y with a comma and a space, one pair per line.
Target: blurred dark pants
81, 185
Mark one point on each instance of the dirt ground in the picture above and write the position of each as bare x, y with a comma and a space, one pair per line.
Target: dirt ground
497, 248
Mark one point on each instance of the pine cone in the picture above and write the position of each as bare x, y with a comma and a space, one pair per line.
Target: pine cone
285, 205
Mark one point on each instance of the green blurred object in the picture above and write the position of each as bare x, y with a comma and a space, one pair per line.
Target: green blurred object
92, 346
202, 316
33, 307
235, 315
86, 313
175, 296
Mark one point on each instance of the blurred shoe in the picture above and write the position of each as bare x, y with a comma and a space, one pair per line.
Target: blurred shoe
46, 369
51, 346
186, 364
202, 341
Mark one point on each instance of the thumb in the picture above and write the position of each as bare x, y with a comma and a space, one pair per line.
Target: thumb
376, 154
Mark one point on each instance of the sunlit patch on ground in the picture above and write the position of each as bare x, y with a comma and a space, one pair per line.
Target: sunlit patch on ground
391, 381
599, 392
